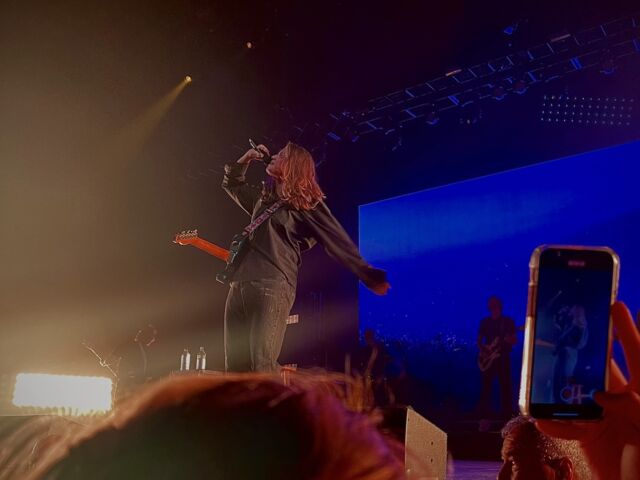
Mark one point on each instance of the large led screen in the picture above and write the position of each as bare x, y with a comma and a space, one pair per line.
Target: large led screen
448, 249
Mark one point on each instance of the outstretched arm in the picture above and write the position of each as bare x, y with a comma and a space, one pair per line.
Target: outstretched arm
335, 240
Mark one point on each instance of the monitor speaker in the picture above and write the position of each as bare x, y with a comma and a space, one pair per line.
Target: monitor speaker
425, 444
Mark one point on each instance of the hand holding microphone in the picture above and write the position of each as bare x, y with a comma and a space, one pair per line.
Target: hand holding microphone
256, 152
266, 156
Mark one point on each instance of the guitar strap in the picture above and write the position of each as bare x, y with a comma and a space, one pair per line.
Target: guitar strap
260, 219
238, 240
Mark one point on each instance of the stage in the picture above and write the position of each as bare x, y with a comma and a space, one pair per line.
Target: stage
353, 192
473, 470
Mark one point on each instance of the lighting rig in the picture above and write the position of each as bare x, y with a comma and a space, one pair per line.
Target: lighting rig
599, 47
583, 110
602, 47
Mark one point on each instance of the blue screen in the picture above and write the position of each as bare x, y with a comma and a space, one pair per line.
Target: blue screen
448, 249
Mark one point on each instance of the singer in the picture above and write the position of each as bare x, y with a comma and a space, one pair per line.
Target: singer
263, 287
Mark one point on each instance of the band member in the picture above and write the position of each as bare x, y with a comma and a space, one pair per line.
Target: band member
373, 365
263, 286
496, 338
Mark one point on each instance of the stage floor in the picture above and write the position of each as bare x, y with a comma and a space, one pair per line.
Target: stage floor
473, 470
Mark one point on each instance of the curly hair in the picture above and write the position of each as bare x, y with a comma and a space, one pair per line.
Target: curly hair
523, 439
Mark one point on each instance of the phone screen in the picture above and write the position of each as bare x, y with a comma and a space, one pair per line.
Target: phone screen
570, 347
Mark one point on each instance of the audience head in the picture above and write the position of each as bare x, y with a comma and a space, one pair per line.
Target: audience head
232, 427
528, 453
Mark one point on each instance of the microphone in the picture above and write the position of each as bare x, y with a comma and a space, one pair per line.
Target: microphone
267, 158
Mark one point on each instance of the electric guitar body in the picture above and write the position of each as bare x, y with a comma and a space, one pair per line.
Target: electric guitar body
230, 256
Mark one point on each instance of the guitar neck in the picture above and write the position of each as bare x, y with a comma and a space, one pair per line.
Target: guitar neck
544, 343
211, 249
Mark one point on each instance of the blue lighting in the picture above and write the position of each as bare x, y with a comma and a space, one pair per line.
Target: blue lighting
448, 249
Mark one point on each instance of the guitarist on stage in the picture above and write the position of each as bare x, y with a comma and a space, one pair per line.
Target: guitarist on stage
263, 285
496, 338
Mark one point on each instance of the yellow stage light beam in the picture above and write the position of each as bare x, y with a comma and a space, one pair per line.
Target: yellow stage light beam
130, 140
74, 395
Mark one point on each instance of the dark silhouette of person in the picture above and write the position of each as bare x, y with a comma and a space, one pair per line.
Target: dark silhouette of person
496, 338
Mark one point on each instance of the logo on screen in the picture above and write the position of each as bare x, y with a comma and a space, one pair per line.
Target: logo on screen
572, 394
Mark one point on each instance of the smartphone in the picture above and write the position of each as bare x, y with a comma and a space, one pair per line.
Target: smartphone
567, 343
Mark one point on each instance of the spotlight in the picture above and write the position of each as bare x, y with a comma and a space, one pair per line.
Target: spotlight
520, 86
471, 114
188, 79
513, 27
394, 139
510, 29
608, 65
427, 111
352, 134
431, 118
71, 394
249, 45
498, 92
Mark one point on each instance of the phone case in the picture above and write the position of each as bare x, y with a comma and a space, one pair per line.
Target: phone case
527, 353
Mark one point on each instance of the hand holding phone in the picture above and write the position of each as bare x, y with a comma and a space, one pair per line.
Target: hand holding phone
612, 444
567, 337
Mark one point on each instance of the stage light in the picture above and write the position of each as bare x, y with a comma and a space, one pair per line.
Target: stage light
71, 395
520, 86
498, 92
394, 139
608, 66
352, 135
249, 45
126, 145
431, 118
471, 114
592, 111
510, 29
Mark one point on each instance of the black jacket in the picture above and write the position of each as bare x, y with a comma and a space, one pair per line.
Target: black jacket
274, 251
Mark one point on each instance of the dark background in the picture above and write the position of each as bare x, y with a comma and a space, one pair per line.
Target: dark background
87, 223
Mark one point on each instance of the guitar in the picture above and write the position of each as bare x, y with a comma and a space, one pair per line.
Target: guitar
488, 354
230, 257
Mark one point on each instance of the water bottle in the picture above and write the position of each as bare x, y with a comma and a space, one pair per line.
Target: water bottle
201, 359
185, 360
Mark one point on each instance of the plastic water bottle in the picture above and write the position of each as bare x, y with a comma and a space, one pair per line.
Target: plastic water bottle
185, 360
201, 359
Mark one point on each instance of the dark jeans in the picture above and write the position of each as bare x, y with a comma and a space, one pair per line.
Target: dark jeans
255, 320
500, 370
